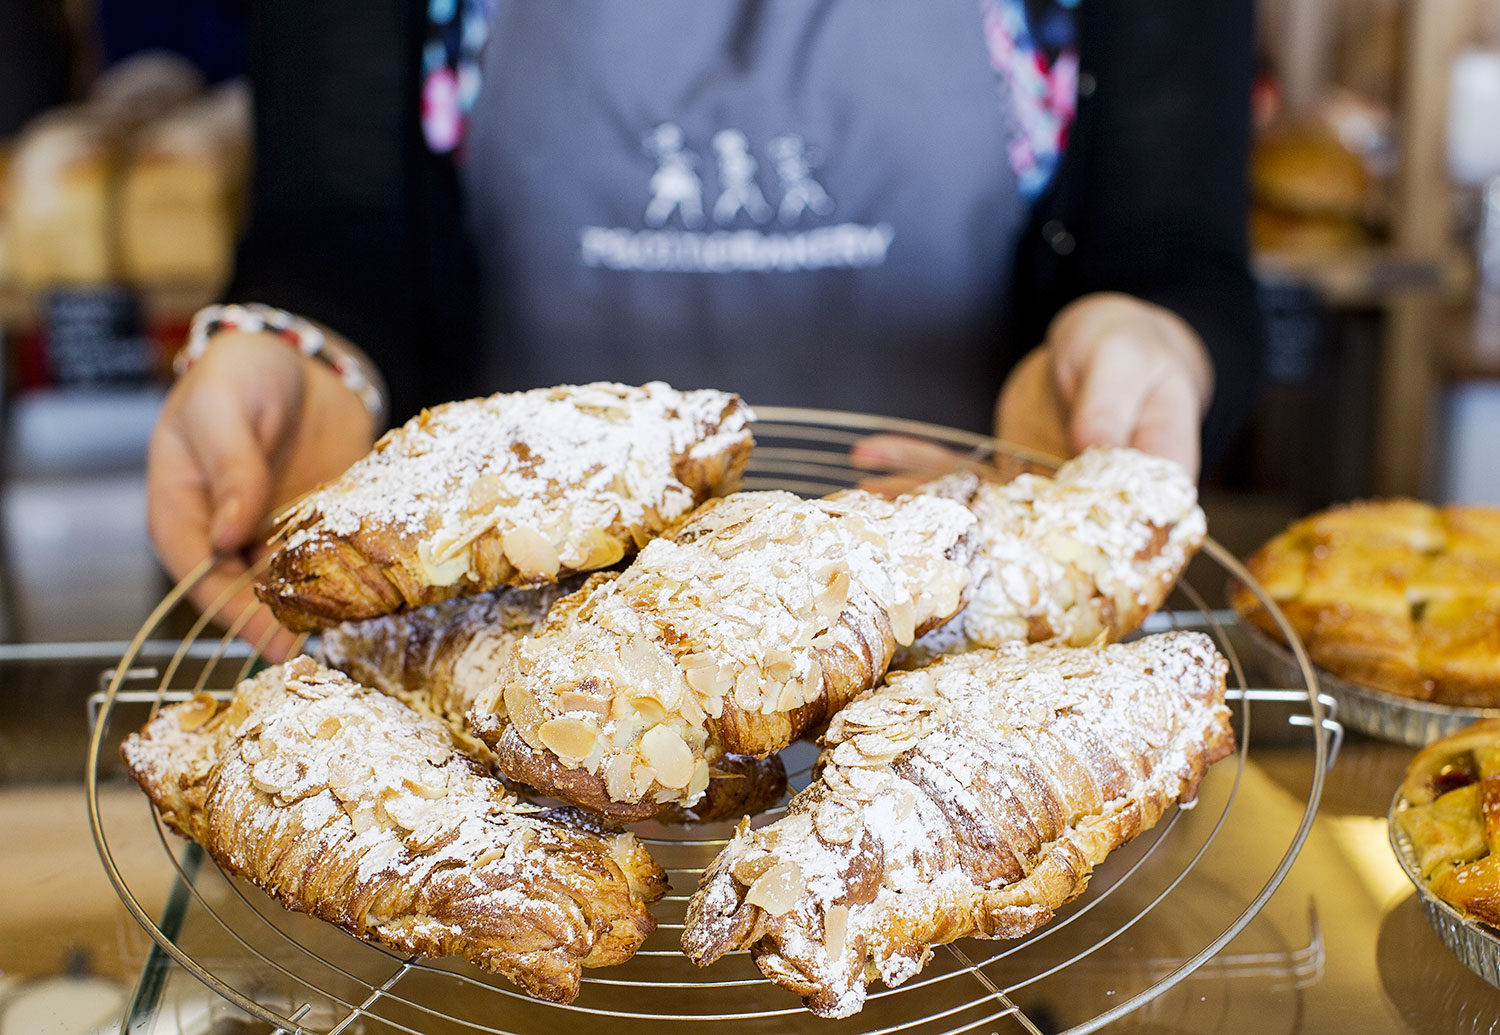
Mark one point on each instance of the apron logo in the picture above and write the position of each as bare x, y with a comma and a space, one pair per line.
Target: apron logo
674, 185
676, 189
800, 192
737, 174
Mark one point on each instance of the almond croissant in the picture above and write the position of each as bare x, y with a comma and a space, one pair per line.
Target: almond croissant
754, 621
441, 657
970, 798
517, 489
1073, 559
344, 803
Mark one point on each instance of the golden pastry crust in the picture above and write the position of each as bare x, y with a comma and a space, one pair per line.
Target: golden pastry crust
520, 489
1078, 558
754, 621
738, 786
970, 798
346, 804
440, 658
1397, 595
1452, 816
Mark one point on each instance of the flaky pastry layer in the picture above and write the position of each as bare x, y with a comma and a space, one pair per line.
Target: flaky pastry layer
754, 621
970, 798
513, 489
1075, 559
346, 804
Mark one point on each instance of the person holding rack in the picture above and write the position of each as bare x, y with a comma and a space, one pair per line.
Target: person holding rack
1024, 217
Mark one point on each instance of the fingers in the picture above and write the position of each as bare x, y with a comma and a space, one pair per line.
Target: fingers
234, 466
903, 453
905, 463
226, 596
178, 517
1113, 386
1129, 373
1168, 425
209, 480
177, 505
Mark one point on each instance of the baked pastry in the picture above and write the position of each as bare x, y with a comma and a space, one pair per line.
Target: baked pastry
1396, 594
58, 201
1452, 791
181, 194
520, 489
344, 803
440, 658
757, 619
738, 786
970, 798
1078, 558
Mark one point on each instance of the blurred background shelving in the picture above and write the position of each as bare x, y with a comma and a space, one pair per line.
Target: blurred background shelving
1365, 241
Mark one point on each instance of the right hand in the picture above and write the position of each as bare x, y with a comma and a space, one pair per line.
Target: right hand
252, 425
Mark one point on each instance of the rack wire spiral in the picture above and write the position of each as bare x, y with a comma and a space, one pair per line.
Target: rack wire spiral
1184, 885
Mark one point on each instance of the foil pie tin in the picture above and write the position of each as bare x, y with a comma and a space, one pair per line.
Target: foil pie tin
1376, 713
1476, 945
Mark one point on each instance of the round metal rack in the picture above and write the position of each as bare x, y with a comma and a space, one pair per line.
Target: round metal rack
1156, 910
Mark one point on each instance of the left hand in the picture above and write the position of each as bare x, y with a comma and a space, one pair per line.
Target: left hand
1114, 371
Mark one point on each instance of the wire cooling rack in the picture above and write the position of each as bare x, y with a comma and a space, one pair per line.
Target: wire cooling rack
1156, 911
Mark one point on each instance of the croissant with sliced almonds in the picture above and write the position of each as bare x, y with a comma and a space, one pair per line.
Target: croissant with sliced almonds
751, 623
517, 489
1079, 557
971, 798
440, 658
344, 803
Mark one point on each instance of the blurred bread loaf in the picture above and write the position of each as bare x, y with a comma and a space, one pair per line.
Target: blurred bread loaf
142, 183
181, 192
58, 200
1310, 192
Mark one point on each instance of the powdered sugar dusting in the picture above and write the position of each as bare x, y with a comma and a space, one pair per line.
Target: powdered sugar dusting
516, 488
442, 657
954, 799
1078, 557
346, 804
758, 606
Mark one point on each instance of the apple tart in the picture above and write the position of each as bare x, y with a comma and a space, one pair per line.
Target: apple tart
1398, 595
1452, 792
516, 489
344, 803
754, 621
970, 798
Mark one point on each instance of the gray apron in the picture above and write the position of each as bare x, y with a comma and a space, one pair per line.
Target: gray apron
805, 203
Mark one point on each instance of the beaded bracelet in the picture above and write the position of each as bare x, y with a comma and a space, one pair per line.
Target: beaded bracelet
303, 335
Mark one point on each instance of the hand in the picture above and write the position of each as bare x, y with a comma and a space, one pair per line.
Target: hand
252, 425
1114, 371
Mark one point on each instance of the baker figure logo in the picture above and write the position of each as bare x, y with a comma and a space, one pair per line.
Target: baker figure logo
674, 185
740, 237
737, 176
799, 191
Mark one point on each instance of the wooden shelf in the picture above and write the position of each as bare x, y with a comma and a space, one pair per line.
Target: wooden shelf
1372, 276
